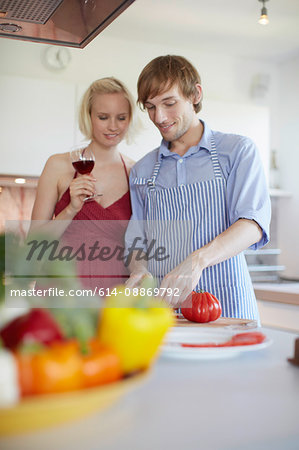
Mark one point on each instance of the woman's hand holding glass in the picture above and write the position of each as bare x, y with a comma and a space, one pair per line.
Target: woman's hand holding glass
81, 188
83, 161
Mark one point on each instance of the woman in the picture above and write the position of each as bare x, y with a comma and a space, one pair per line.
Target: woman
106, 114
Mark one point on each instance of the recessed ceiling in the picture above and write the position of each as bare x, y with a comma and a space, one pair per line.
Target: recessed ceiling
229, 26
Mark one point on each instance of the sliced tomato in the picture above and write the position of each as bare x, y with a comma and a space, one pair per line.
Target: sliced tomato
208, 344
250, 338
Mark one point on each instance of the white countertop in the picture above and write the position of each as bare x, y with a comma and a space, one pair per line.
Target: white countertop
292, 288
287, 293
248, 402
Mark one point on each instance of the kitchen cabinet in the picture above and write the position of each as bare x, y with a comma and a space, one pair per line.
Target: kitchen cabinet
279, 315
278, 304
37, 119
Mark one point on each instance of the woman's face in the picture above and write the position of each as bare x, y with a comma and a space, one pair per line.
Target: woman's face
110, 118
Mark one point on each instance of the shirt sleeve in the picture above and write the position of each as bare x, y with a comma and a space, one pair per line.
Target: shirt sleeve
135, 233
247, 191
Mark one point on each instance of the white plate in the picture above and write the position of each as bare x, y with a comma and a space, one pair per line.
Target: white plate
172, 347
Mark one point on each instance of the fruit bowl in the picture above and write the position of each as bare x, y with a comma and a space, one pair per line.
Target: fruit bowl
35, 413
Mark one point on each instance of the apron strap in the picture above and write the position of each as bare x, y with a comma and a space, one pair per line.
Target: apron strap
151, 181
215, 161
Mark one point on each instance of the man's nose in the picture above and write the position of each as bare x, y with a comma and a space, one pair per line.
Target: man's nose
160, 115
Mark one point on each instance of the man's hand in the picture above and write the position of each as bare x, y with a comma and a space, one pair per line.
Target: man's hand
138, 269
180, 282
137, 276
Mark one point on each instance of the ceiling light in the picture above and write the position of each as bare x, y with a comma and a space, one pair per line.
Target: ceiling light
263, 20
20, 180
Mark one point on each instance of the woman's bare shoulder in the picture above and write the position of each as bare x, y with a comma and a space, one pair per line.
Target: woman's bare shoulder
59, 161
58, 164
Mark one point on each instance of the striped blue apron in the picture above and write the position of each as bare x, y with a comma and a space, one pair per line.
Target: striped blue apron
186, 217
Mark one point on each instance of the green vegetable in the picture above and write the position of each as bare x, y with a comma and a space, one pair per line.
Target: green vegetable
79, 323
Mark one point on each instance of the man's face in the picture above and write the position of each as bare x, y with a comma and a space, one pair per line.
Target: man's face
171, 112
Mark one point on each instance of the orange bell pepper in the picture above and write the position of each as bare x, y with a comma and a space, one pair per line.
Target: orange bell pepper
100, 366
61, 367
25, 374
57, 368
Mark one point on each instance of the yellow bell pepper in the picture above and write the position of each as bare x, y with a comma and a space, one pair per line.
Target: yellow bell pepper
135, 333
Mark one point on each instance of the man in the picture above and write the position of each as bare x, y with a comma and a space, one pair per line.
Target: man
212, 181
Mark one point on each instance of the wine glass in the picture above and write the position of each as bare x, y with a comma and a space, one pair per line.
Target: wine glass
83, 161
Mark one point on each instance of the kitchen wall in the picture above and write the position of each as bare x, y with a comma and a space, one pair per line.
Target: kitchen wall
225, 79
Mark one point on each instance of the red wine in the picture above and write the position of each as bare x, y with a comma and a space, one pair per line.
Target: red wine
83, 166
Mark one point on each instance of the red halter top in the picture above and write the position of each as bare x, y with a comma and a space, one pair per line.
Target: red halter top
99, 232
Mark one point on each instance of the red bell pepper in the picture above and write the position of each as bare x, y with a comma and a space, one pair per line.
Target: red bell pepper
35, 326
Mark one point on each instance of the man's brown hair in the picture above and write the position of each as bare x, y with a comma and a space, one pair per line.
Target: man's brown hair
162, 73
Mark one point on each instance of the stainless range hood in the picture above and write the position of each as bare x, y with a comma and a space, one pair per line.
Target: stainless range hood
72, 23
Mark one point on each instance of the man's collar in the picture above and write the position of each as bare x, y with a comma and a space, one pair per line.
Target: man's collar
204, 143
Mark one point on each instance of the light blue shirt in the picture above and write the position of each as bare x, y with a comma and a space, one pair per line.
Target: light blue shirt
247, 192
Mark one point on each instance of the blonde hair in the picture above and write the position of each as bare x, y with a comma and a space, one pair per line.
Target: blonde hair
109, 85
162, 73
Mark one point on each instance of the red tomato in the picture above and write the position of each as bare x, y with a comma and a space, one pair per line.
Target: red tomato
201, 307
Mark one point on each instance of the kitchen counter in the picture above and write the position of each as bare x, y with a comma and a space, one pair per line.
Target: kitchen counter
248, 402
278, 304
278, 292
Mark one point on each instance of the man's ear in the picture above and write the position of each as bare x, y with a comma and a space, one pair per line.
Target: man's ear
198, 94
